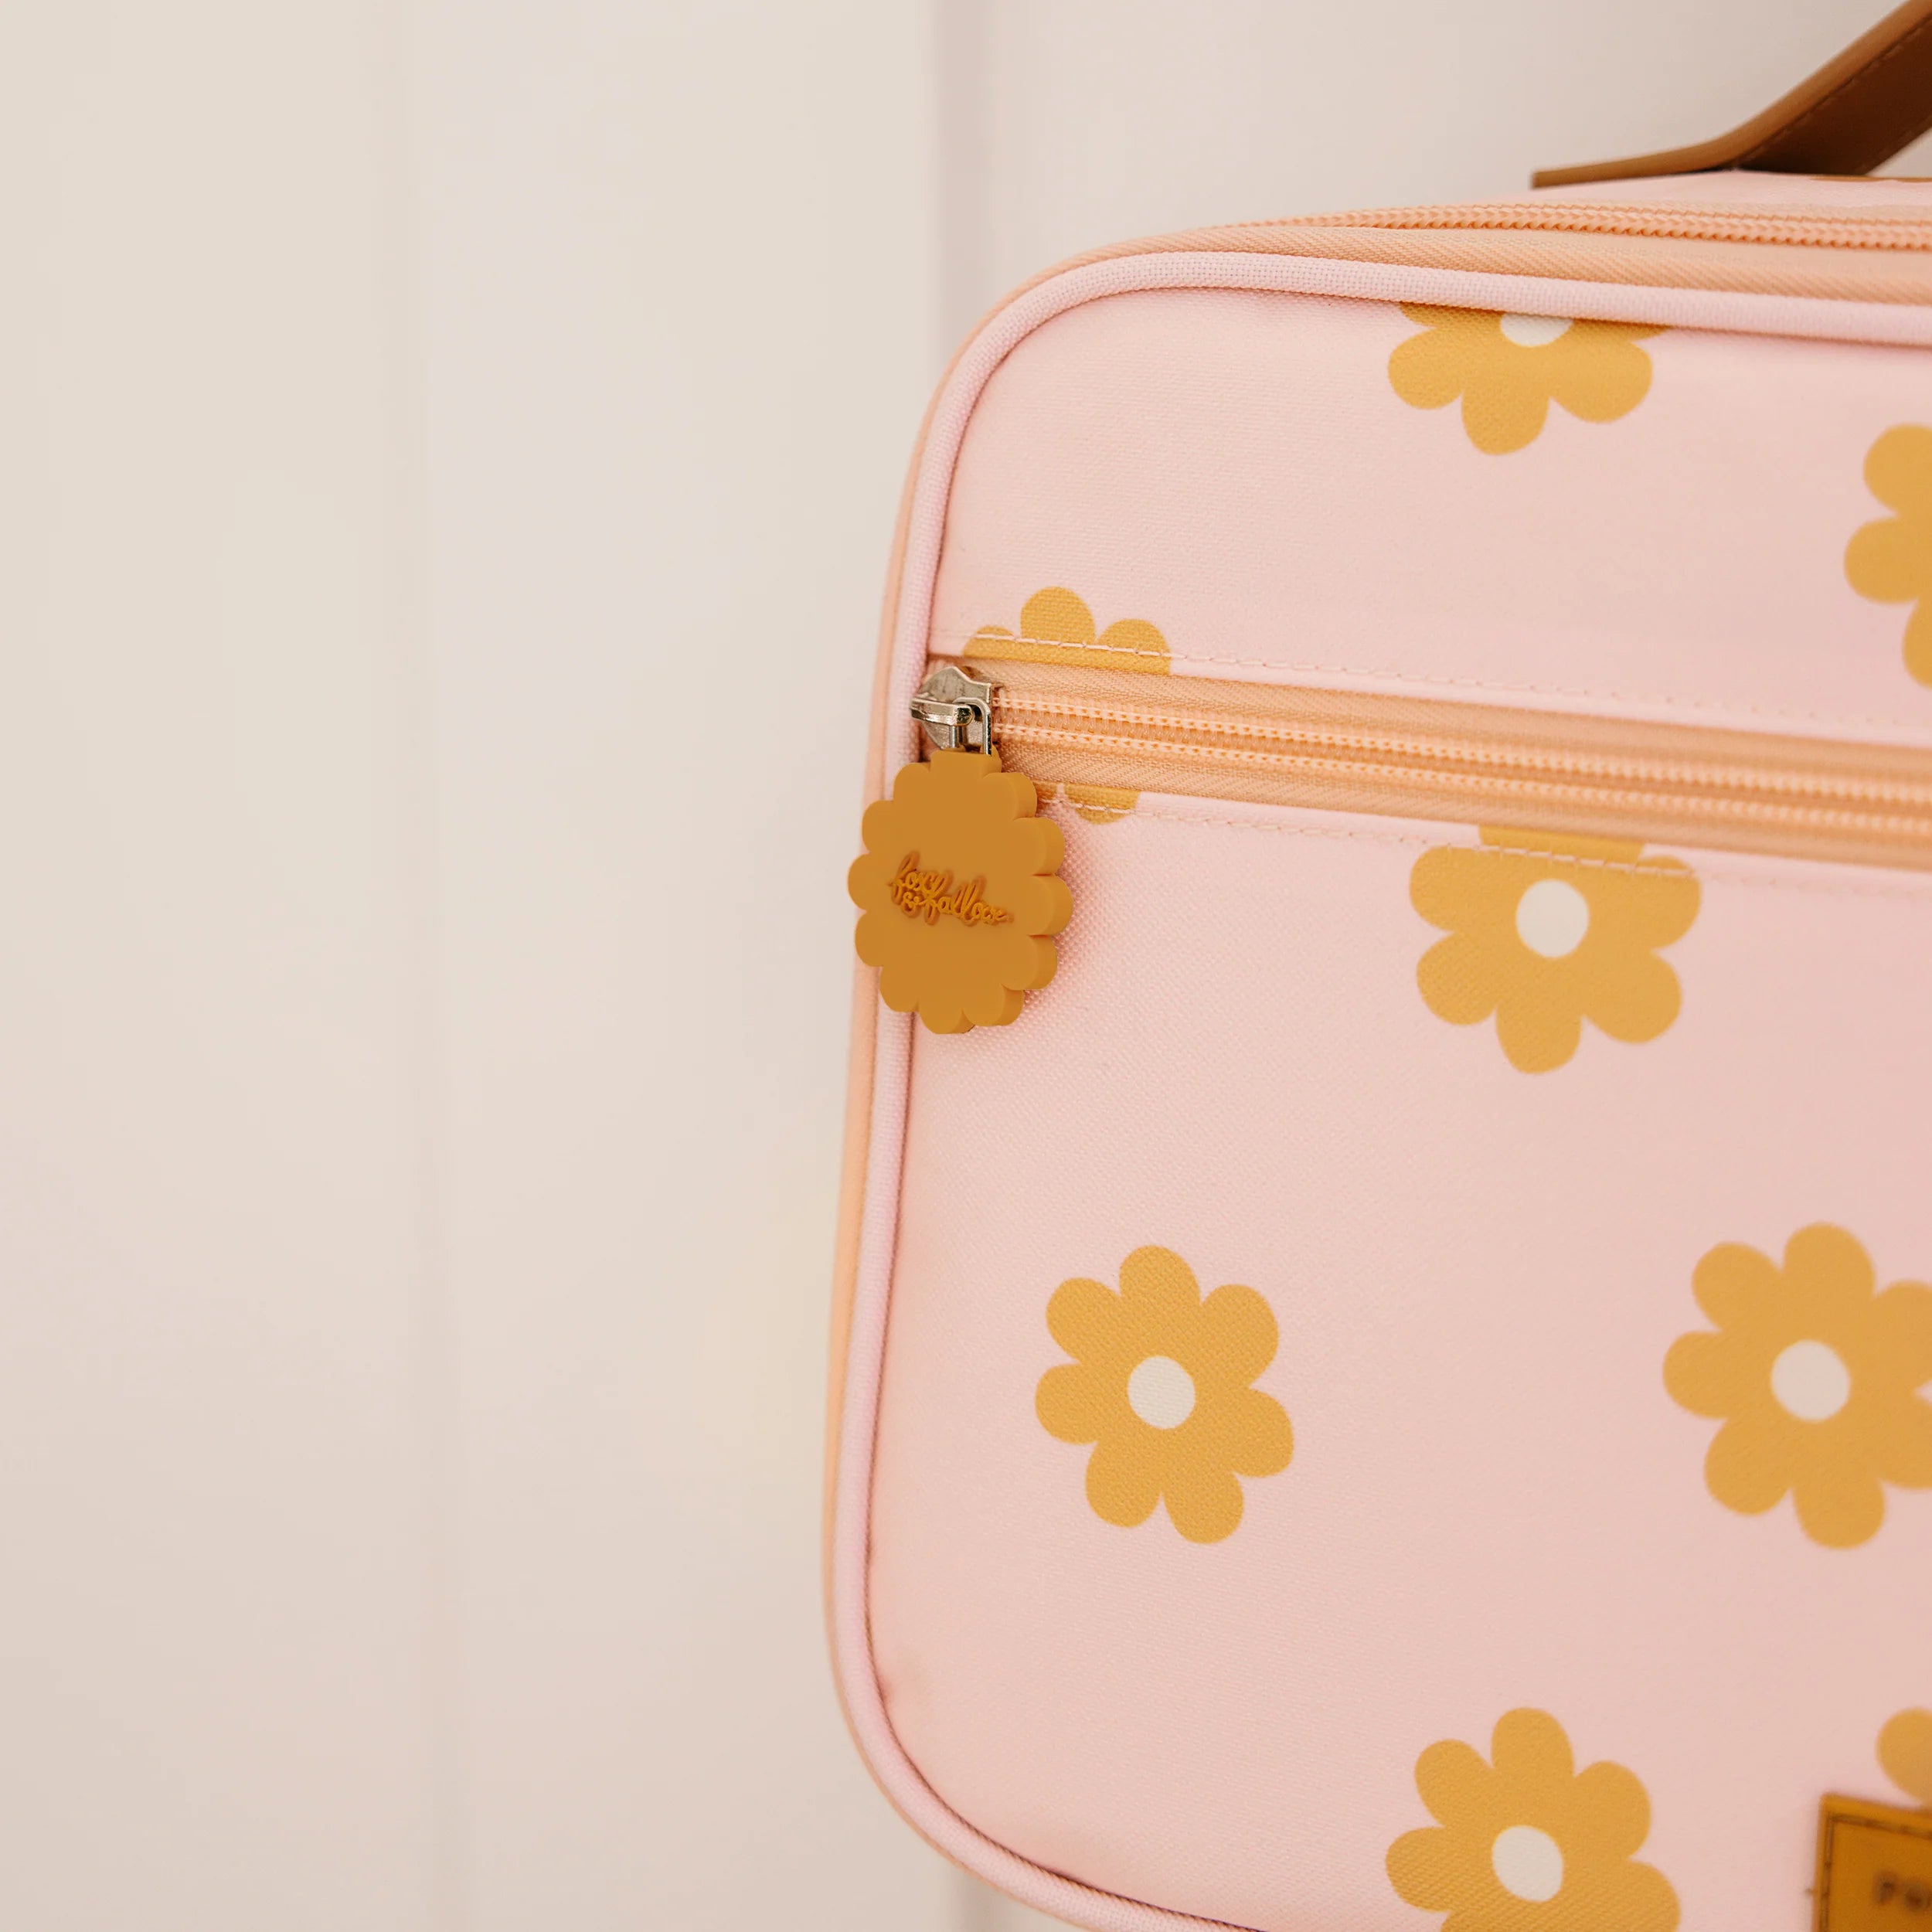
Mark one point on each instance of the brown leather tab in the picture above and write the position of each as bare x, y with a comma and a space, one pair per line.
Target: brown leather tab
1854, 115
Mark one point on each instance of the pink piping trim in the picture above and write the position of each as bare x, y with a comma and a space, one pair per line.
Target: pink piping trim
1795, 315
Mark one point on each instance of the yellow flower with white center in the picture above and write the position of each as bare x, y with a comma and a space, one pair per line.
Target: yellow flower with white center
1816, 1377
1546, 932
1528, 1843
1159, 1384
1508, 369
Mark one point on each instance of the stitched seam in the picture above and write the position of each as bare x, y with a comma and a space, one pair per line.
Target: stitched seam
1819, 889
1431, 678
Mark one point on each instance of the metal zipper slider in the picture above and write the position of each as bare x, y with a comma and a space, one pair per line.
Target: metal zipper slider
956, 709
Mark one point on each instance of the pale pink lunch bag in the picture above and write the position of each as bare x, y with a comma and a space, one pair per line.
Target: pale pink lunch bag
1383, 1354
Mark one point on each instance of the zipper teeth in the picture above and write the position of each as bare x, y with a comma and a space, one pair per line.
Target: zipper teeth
1883, 231
1708, 807
1292, 745
1261, 742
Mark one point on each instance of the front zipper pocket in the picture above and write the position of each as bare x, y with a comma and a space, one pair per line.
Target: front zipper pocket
958, 885
1432, 759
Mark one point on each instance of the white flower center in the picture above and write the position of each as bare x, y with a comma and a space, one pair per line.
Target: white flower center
1528, 1863
1812, 1381
1552, 917
1534, 331
1160, 1393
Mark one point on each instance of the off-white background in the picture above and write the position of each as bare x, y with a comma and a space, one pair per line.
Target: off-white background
447, 454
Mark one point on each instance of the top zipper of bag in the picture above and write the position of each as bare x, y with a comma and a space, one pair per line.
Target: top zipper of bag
1877, 227
1879, 251
1129, 732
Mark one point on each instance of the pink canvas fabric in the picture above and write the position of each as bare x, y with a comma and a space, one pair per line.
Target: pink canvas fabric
1310, 526
1476, 1258
1494, 1502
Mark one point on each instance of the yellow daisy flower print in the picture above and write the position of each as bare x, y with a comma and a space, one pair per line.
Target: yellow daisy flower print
1528, 1843
1509, 369
1890, 560
1815, 1378
1055, 627
1905, 1750
1547, 932
1160, 1385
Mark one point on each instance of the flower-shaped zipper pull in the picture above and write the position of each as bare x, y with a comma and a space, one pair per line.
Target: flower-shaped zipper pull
956, 887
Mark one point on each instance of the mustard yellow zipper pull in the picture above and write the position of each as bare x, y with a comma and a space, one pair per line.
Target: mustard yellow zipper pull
956, 888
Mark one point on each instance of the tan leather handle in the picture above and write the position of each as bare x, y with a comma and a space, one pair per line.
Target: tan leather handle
1855, 114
